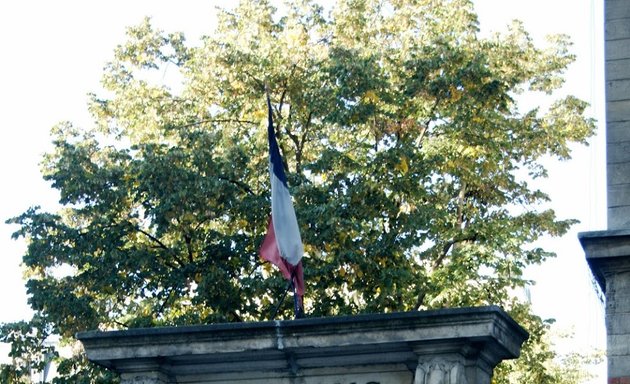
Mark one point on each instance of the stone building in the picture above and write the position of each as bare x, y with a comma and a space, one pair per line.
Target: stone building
608, 251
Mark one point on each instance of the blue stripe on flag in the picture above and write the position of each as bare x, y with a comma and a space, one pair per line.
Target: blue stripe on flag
274, 151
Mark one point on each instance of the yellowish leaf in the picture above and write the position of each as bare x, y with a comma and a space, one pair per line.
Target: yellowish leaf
403, 165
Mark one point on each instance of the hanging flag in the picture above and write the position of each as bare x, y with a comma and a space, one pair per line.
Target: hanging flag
282, 245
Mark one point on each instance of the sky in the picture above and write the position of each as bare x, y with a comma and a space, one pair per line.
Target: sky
53, 53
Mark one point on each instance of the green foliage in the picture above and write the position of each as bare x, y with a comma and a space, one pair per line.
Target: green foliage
543, 365
28, 349
406, 153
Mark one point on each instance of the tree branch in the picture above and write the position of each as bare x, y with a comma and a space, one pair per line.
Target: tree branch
460, 205
259, 82
239, 184
188, 241
421, 296
162, 246
448, 245
301, 142
163, 305
153, 238
285, 88
200, 122
425, 127
121, 324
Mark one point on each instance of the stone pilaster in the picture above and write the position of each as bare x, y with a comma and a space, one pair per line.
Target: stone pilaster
617, 57
441, 370
451, 363
608, 252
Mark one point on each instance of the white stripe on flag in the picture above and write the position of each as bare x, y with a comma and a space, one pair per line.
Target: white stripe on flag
285, 223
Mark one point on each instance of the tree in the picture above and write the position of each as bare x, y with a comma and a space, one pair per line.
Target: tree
408, 158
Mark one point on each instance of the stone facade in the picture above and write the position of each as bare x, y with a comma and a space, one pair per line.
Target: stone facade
432, 347
617, 56
608, 252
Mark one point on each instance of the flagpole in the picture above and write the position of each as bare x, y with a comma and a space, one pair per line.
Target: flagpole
275, 311
298, 308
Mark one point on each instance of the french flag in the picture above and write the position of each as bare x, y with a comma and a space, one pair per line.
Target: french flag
282, 245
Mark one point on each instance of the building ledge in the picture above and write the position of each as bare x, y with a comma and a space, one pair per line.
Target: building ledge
479, 337
606, 252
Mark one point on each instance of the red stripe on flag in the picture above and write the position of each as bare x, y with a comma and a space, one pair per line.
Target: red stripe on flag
270, 252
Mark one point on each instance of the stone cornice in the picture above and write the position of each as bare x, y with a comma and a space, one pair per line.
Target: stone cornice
486, 335
606, 252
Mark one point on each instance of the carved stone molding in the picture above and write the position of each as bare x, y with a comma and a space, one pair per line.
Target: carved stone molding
440, 371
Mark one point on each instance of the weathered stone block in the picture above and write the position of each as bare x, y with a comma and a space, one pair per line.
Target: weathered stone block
619, 304
617, 90
617, 29
619, 217
618, 152
618, 323
618, 131
619, 346
618, 195
618, 69
619, 280
616, 9
617, 49
618, 110
618, 367
618, 173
